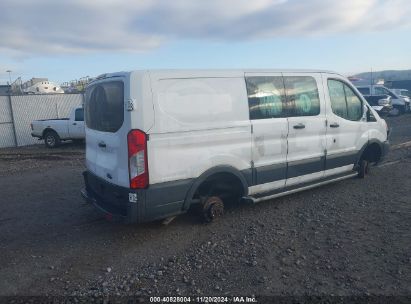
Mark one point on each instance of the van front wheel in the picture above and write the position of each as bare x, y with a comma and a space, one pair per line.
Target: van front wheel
212, 208
363, 168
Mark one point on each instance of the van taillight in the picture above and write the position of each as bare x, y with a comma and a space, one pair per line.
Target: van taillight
31, 126
137, 159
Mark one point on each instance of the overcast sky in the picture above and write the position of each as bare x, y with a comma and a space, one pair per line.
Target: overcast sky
65, 41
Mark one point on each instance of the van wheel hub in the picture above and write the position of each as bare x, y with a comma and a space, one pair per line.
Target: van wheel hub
213, 208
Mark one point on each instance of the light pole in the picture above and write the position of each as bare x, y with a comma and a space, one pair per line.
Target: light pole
9, 71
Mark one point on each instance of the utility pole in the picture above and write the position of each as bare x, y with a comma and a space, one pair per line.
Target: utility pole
9, 71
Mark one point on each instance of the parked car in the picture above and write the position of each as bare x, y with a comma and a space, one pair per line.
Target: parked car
400, 105
53, 131
161, 142
380, 103
403, 93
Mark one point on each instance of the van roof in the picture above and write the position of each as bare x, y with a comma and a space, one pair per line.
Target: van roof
208, 72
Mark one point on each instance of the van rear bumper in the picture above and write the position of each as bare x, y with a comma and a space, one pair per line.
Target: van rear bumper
91, 199
112, 200
135, 206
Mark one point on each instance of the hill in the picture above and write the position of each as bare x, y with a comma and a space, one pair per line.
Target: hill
389, 75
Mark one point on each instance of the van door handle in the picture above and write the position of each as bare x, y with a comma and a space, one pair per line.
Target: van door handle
334, 125
74, 124
102, 144
299, 126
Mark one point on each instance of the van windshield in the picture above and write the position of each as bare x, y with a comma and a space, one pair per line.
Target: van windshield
104, 106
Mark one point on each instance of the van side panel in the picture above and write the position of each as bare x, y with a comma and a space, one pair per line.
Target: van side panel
200, 123
142, 117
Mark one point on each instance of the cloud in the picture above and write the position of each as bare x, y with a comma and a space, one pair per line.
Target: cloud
46, 26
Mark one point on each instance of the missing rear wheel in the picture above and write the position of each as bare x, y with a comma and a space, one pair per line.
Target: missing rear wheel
212, 209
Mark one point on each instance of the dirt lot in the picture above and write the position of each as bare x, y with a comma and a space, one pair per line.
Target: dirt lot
348, 238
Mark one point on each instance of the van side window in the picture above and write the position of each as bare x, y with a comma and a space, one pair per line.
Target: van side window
354, 104
266, 97
302, 96
79, 115
370, 115
344, 102
337, 98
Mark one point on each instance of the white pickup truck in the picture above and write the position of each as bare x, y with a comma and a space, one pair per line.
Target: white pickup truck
53, 131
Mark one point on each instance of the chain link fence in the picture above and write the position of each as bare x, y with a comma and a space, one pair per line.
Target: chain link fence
17, 113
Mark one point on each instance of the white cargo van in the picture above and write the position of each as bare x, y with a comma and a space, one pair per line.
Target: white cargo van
160, 142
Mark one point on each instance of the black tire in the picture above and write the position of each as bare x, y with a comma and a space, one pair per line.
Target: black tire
212, 208
364, 168
51, 139
396, 111
403, 109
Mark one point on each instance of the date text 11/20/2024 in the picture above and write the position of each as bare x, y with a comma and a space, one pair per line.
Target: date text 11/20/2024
203, 299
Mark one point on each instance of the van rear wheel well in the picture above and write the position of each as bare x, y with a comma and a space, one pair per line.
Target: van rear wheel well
225, 185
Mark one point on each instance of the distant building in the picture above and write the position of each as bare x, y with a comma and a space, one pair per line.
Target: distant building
40, 86
77, 86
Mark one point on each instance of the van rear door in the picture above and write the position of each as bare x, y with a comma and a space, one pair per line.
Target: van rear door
106, 130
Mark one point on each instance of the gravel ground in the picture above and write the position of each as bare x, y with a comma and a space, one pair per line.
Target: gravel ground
348, 238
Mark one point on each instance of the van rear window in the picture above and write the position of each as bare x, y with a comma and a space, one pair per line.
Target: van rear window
104, 106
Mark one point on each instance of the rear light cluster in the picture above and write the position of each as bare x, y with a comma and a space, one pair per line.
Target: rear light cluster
137, 159
31, 126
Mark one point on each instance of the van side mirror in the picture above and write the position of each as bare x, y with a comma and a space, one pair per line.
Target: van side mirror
369, 115
365, 113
